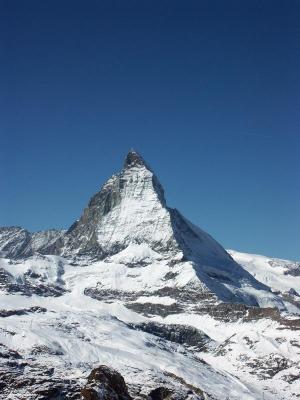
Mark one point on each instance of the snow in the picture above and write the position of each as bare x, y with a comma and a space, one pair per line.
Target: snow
135, 253
267, 339
156, 300
50, 268
140, 216
270, 271
86, 332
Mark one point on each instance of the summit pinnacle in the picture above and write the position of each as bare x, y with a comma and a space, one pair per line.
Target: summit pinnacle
133, 159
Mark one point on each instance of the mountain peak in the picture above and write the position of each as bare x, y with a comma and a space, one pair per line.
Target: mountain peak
130, 210
134, 159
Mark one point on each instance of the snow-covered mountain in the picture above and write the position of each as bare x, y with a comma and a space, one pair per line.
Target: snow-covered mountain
135, 286
18, 242
282, 276
130, 211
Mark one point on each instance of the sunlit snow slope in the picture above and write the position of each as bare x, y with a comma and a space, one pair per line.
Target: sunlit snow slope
282, 275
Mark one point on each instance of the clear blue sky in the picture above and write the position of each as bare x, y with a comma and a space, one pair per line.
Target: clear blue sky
207, 91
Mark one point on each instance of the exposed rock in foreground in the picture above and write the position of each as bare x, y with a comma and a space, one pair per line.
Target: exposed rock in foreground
22, 379
29, 380
105, 383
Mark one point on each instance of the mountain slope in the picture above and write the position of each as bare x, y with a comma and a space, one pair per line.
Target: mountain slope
153, 337
282, 275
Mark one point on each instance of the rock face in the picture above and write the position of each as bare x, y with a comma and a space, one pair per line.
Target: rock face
182, 334
129, 208
105, 383
22, 379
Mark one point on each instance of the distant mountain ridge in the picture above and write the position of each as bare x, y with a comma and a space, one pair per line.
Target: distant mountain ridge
17, 242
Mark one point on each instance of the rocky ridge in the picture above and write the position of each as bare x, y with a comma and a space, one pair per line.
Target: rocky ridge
17, 242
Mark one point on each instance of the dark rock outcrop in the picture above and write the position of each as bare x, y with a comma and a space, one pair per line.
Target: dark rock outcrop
21, 379
182, 334
105, 383
22, 311
189, 295
268, 366
149, 309
160, 393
